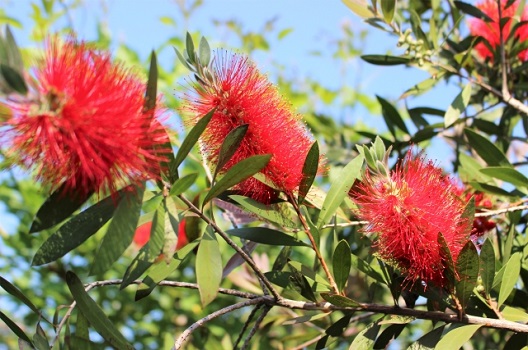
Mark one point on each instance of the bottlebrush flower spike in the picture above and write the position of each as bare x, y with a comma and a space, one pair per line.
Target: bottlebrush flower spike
407, 209
243, 95
481, 224
490, 30
83, 123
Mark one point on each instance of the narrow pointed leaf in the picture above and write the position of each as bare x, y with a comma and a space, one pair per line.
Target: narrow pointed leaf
230, 146
472, 11
507, 174
76, 231
391, 115
385, 60
387, 7
487, 265
359, 7
467, 266
309, 273
301, 285
366, 338
94, 314
266, 235
510, 277
238, 173
457, 337
17, 293
204, 52
339, 189
120, 232
458, 106
309, 171
183, 60
341, 263
429, 340
339, 300
208, 267
152, 84
13, 79
486, 149
189, 142
59, 206
182, 184
15, 328
189, 46
266, 212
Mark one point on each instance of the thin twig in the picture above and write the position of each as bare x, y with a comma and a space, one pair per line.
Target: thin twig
501, 211
256, 326
183, 337
233, 245
246, 324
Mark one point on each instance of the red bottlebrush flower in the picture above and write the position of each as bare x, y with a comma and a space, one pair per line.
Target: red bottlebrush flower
490, 30
142, 235
243, 95
481, 224
407, 210
83, 124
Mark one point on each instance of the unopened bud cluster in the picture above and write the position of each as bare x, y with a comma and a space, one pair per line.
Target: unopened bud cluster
414, 48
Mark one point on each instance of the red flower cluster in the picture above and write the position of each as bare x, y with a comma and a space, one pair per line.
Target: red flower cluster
242, 95
408, 209
84, 124
481, 224
490, 30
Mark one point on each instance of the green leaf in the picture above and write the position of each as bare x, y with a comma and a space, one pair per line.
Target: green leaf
366, 338
59, 206
269, 213
238, 173
467, 266
339, 190
391, 116
472, 11
204, 52
366, 268
17, 293
385, 60
189, 142
230, 146
183, 60
341, 263
15, 328
149, 252
387, 7
309, 171
512, 270
120, 232
208, 267
309, 273
266, 235
94, 314
359, 7
428, 341
486, 149
162, 270
487, 265
182, 184
301, 285
339, 300
458, 106
189, 46
457, 337
152, 84
422, 87
13, 79
282, 258
507, 174
447, 258
74, 232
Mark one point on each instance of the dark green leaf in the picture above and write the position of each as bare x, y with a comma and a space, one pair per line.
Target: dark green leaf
507, 174
429, 340
280, 278
183, 60
17, 293
182, 184
282, 258
309, 273
309, 171
487, 265
385, 60
189, 46
486, 149
458, 106
392, 116
341, 263
152, 84
447, 258
162, 270
238, 173
204, 52
338, 327
14, 58
15, 328
57, 207
387, 7
472, 11
366, 338
367, 269
339, 300
457, 337
510, 278
13, 79
339, 190
230, 146
267, 212
39, 339
189, 142
467, 266
301, 285
390, 333
74, 232
94, 314
120, 232
266, 235
208, 267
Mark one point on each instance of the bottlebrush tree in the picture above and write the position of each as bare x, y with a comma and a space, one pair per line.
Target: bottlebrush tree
260, 226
